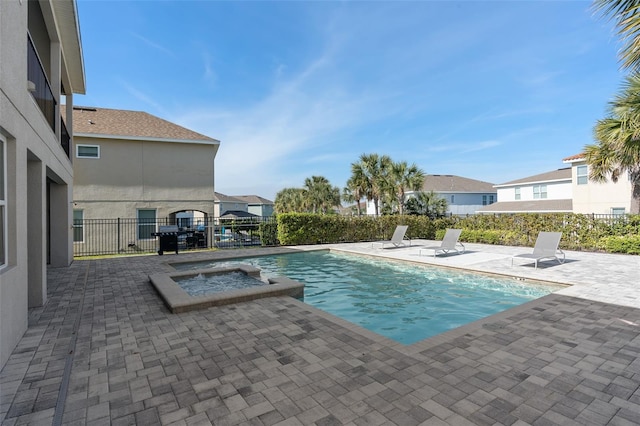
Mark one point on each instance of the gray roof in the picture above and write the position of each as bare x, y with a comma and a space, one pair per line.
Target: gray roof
222, 198
89, 121
237, 214
529, 206
253, 199
453, 183
555, 175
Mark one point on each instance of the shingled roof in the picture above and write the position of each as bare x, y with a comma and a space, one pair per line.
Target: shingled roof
88, 121
253, 199
453, 183
529, 206
555, 175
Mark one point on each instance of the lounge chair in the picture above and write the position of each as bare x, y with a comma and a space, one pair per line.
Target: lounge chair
449, 243
546, 248
397, 239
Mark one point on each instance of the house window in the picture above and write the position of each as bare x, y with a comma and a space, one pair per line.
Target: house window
491, 199
517, 193
88, 151
539, 191
617, 211
582, 175
484, 200
78, 226
3, 205
452, 198
146, 224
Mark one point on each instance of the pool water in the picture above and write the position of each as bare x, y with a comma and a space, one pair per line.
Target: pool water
404, 302
201, 285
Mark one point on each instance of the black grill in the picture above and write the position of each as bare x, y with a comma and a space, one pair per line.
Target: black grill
168, 238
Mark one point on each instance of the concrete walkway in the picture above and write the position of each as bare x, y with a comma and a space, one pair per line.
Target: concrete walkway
105, 350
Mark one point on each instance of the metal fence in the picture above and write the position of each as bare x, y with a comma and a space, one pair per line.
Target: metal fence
94, 237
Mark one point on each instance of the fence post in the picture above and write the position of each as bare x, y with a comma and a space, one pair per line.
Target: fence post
119, 247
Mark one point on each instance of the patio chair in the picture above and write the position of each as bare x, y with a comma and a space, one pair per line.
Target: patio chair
449, 243
398, 237
546, 248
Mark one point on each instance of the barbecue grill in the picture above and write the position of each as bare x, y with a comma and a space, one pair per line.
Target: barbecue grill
168, 238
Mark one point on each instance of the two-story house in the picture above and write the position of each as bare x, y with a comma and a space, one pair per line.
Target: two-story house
257, 205
41, 67
549, 192
463, 195
598, 197
141, 168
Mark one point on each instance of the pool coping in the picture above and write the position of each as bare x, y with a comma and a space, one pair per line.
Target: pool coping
178, 300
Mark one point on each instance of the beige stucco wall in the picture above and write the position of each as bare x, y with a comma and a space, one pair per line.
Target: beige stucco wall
600, 198
34, 156
133, 174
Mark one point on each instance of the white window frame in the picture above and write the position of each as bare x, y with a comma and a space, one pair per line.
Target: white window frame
540, 192
80, 226
516, 193
141, 225
87, 146
4, 229
582, 175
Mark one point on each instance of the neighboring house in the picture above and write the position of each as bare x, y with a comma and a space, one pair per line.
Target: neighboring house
543, 193
226, 203
136, 166
41, 62
257, 205
596, 197
464, 196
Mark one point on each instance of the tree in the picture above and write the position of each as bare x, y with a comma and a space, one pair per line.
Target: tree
321, 197
369, 173
290, 200
353, 193
402, 178
427, 204
626, 13
617, 148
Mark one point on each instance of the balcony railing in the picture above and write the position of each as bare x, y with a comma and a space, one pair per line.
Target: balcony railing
65, 139
41, 91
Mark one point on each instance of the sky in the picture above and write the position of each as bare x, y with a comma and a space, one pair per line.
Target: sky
488, 90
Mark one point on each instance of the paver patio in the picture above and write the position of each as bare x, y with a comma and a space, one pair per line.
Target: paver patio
105, 350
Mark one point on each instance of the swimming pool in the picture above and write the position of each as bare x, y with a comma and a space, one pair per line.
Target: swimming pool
404, 302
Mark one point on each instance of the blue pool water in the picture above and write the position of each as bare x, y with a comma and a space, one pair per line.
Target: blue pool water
404, 302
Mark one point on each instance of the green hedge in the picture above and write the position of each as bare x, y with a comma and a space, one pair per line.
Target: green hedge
579, 232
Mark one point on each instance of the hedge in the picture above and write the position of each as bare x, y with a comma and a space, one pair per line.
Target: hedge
579, 232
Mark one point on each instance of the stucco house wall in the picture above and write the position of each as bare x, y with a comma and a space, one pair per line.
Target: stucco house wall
127, 161
599, 197
36, 173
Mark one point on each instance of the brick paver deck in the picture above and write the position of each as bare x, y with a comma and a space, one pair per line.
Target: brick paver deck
105, 350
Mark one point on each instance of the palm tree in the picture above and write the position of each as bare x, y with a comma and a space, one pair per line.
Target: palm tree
369, 173
353, 193
320, 195
617, 148
290, 200
403, 178
427, 204
626, 13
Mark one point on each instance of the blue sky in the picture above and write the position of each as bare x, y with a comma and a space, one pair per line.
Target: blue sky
489, 90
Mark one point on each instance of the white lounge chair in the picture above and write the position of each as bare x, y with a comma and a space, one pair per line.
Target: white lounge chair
546, 248
449, 243
397, 239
